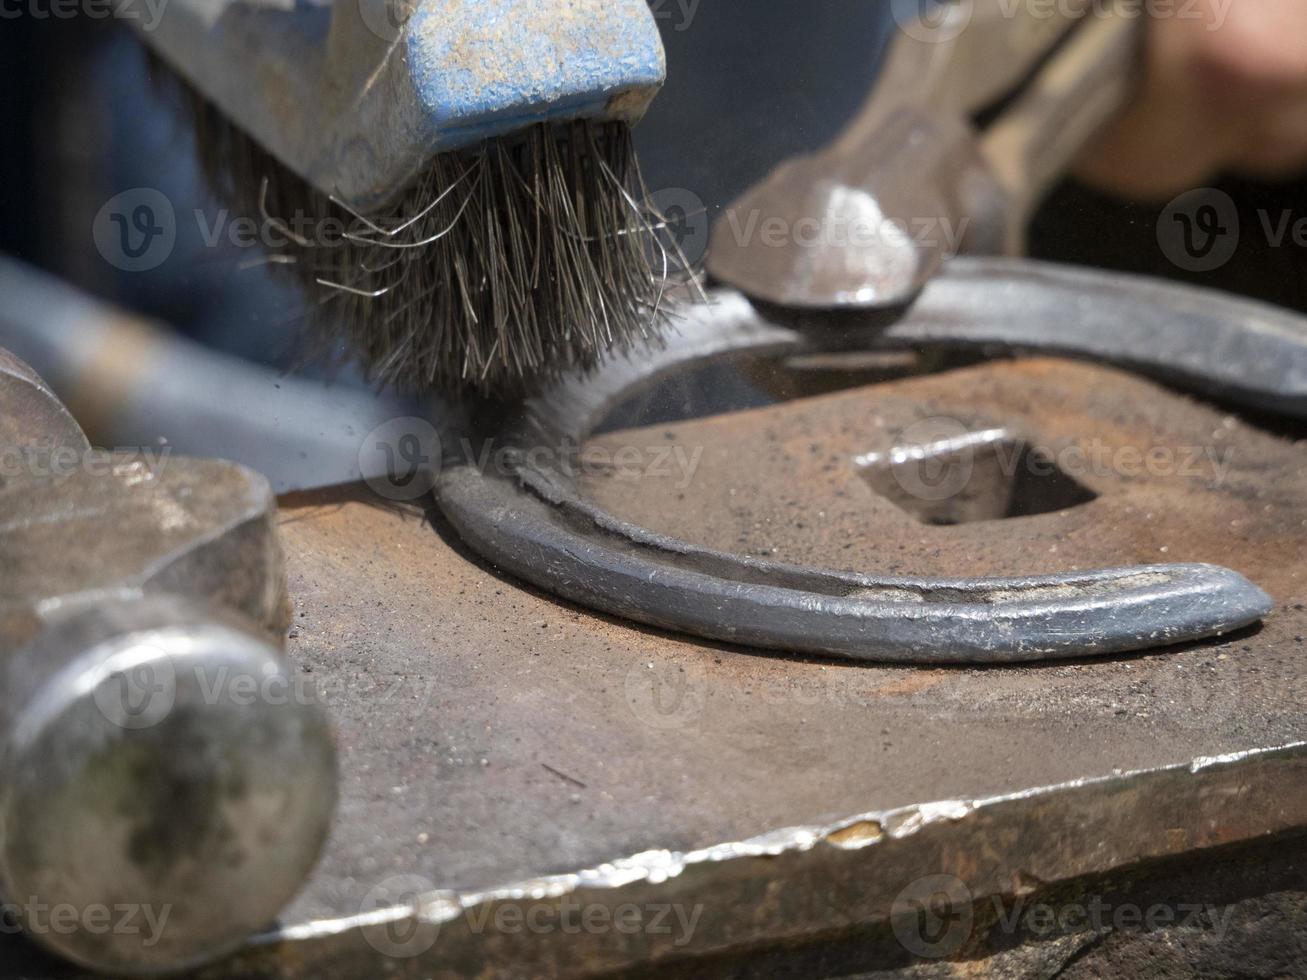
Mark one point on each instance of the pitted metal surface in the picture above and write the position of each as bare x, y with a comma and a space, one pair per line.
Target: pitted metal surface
530, 517
496, 741
1171, 479
155, 811
106, 526
493, 736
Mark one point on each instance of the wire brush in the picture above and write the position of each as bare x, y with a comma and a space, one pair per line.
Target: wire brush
480, 231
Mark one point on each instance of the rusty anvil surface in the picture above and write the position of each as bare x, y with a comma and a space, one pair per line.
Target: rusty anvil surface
491, 735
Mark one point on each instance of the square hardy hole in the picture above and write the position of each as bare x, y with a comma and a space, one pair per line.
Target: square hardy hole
943, 474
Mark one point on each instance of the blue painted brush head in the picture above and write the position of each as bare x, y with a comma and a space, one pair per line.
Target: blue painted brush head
357, 96
499, 230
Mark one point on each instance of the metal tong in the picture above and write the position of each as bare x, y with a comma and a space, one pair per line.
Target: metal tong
979, 109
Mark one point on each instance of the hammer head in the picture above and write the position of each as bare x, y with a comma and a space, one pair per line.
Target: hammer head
857, 227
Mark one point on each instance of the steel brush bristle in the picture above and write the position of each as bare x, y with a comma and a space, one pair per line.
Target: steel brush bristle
502, 267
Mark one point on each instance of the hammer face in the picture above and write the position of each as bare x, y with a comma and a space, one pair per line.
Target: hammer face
167, 790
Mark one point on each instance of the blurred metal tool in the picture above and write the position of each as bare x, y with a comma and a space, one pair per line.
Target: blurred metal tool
132, 382
30, 414
166, 780
977, 112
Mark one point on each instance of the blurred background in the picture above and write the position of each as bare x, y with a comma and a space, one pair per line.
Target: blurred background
749, 85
